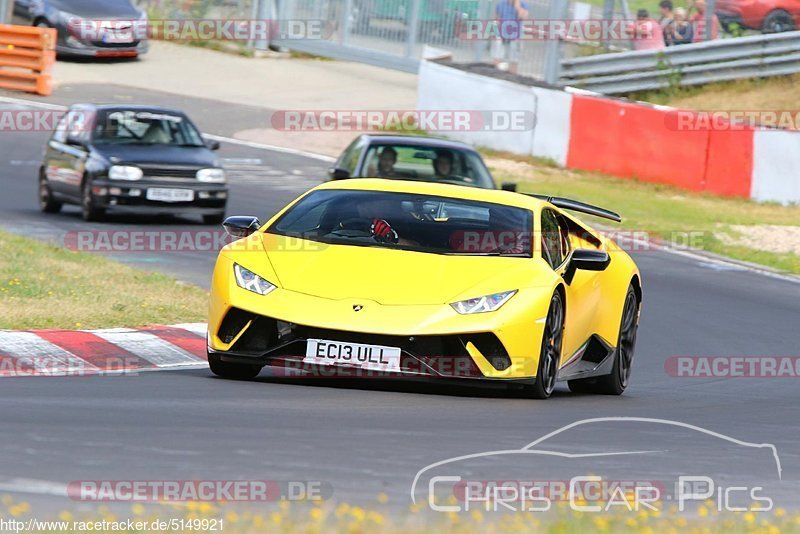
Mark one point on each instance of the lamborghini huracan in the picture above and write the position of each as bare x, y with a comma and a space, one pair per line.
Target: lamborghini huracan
377, 277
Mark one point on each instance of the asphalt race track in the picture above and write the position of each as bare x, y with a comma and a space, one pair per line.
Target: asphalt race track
364, 438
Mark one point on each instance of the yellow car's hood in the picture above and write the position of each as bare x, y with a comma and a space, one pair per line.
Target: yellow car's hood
390, 277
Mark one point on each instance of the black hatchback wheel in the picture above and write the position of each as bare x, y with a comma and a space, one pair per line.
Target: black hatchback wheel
46, 202
550, 355
89, 209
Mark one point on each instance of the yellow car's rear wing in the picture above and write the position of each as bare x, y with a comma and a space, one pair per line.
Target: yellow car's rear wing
577, 205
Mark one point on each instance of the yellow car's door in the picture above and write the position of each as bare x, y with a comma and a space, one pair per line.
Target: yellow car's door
582, 291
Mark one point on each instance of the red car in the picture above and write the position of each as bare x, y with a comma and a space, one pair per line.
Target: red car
768, 16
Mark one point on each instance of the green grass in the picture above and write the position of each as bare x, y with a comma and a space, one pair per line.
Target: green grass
44, 286
661, 210
766, 94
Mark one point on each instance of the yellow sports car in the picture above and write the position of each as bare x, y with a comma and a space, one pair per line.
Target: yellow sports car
380, 277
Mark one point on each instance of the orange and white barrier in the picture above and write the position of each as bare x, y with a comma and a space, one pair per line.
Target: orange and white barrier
26, 56
717, 154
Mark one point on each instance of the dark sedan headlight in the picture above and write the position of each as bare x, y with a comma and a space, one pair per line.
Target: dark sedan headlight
125, 172
211, 176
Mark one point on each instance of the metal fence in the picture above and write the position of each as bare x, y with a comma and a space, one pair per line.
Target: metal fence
6, 7
393, 33
694, 64
224, 9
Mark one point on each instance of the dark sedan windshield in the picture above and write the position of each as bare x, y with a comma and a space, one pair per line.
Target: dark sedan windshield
410, 221
445, 165
129, 127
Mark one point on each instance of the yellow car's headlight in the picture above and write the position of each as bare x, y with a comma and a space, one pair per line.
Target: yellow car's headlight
251, 281
489, 303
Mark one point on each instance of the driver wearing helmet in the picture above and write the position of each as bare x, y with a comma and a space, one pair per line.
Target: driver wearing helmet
377, 212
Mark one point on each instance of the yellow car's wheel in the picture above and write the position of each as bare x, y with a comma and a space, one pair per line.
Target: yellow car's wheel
232, 370
616, 382
550, 354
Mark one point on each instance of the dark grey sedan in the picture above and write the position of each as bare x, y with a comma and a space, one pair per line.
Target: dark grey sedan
89, 28
411, 157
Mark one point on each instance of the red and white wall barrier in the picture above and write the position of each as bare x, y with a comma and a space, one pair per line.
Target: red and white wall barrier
581, 130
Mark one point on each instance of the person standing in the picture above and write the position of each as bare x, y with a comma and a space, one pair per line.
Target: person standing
699, 22
682, 29
507, 48
667, 21
647, 32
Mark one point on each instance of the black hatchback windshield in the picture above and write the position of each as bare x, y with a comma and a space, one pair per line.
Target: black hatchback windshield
410, 221
129, 127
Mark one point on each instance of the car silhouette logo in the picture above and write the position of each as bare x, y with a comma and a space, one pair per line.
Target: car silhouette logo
357, 307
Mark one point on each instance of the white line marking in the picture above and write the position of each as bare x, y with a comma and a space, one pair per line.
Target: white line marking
33, 103
274, 148
150, 347
231, 140
33, 486
702, 258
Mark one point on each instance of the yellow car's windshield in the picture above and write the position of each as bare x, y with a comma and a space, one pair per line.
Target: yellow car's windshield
410, 221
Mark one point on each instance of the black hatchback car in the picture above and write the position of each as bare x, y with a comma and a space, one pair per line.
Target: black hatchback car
140, 159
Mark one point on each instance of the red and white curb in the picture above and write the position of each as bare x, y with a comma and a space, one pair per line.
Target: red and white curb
108, 351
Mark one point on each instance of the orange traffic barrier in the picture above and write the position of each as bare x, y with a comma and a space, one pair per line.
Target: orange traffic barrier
26, 56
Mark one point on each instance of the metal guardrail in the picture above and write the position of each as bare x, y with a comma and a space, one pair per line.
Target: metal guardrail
692, 64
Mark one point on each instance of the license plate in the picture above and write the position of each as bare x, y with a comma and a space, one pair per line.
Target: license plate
372, 357
170, 195
117, 38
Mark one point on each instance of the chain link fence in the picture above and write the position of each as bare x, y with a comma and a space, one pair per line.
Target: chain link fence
394, 33
389, 33
199, 9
